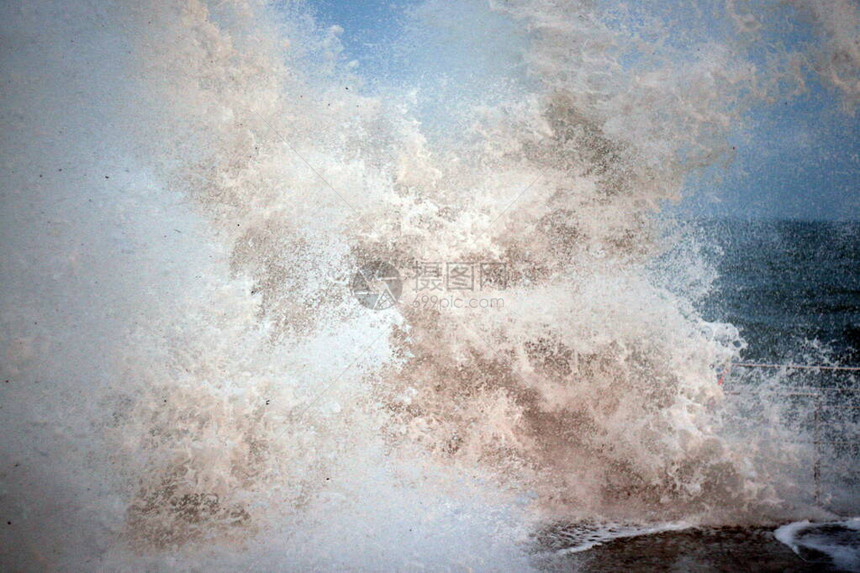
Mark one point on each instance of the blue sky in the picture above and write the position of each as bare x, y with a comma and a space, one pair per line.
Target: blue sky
796, 158
799, 161
368, 24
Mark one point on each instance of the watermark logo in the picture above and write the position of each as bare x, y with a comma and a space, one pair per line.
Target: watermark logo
451, 301
459, 276
377, 285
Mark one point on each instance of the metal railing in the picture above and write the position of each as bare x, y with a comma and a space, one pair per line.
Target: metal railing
815, 392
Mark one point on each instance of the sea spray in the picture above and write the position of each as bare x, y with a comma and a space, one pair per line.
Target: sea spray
269, 412
592, 386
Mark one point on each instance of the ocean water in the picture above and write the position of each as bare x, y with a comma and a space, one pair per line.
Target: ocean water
792, 287
266, 310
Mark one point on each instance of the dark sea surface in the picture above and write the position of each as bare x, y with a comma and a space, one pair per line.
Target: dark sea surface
792, 287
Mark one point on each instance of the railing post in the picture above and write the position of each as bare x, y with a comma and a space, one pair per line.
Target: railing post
816, 467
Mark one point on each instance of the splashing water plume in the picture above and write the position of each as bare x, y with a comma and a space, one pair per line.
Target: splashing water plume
269, 411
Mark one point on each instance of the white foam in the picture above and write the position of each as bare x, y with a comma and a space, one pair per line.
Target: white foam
585, 536
840, 540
